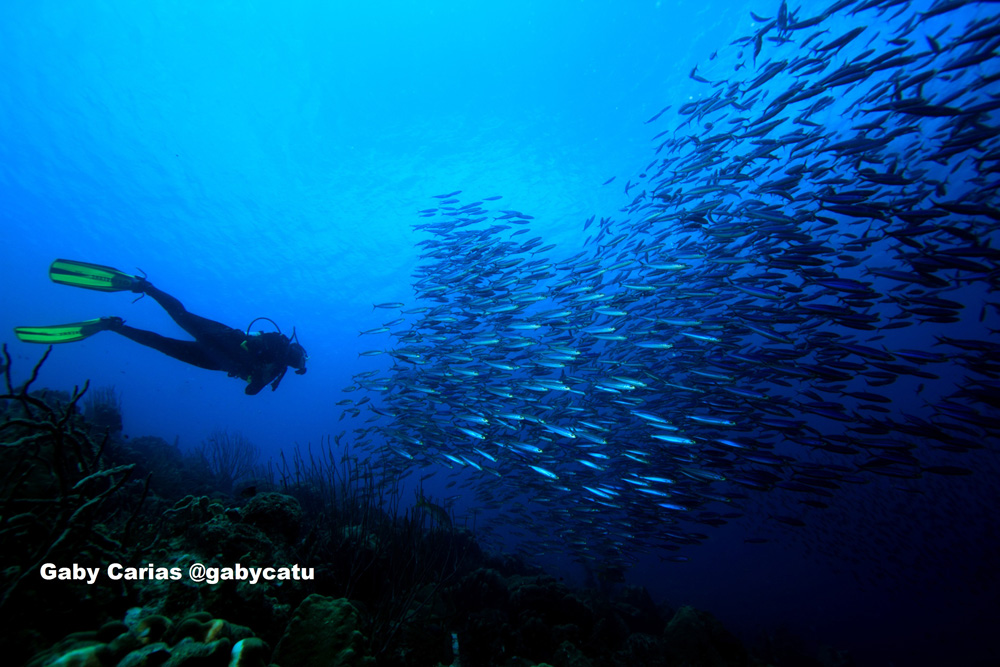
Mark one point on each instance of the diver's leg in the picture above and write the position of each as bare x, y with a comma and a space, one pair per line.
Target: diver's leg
188, 351
196, 325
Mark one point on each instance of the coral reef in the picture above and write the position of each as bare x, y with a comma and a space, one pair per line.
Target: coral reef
173, 474
393, 587
698, 638
197, 641
274, 513
103, 408
205, 530
60, 500
230, 456
505, 618
323, 633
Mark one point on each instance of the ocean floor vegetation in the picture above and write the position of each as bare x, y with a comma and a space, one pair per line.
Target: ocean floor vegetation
391, 584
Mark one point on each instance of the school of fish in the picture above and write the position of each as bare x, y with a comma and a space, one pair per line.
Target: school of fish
799, 297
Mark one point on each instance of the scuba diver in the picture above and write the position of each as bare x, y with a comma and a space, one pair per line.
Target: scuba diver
258, 358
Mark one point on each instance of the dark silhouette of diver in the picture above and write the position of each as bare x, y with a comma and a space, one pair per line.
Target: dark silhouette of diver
258, 358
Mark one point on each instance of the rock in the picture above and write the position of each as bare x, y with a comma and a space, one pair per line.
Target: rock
110, 630
323, 633
191, 653
484, 635
125, 643
643, 649
152, 629
695, 637
232, 542
551, 601
568, 655
191, 511
207, 630
197, 641
250, 652
482, 589
276, 514
638, 610
147, 656
95, 655
80, 649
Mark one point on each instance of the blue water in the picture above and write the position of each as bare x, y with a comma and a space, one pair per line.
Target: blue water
265, 159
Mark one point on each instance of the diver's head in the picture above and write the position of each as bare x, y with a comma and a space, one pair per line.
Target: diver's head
297, 358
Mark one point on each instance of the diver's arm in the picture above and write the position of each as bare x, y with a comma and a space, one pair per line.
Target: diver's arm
264, 375
261, 349
254, 386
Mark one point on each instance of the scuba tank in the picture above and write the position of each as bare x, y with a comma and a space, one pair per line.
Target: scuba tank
282, 354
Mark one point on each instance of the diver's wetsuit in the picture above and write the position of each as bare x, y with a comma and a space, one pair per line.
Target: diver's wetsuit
258, 358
